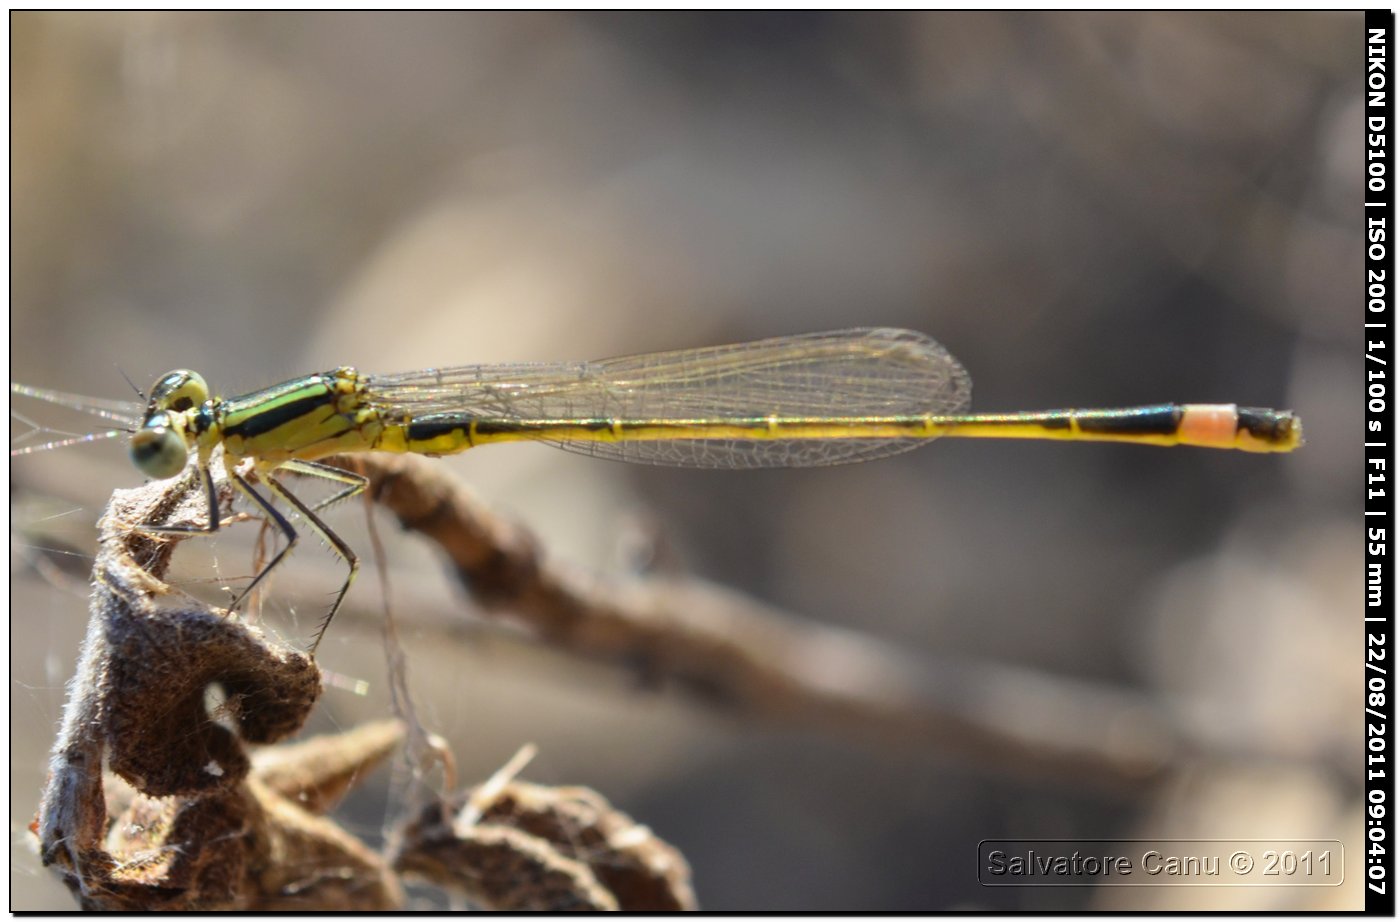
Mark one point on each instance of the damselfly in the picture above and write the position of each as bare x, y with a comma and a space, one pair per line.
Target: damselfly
795, 401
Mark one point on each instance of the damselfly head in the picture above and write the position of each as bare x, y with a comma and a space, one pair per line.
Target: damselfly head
177, 390
158, 448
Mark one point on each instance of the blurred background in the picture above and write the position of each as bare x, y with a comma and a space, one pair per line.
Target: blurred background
1087, 209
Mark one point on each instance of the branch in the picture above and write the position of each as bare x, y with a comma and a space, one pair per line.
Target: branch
203, 825
760, 662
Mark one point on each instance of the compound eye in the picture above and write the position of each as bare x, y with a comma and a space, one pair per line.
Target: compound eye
179, 390
157, 450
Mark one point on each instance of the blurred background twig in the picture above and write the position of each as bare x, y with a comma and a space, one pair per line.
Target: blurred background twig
761, 663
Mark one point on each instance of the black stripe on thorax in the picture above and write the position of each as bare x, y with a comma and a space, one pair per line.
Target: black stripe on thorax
262, 420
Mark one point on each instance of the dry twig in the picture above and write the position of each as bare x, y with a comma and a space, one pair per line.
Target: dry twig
204, 826
509, 845
203, 830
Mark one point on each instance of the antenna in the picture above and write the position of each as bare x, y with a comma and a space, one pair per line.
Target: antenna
132, 384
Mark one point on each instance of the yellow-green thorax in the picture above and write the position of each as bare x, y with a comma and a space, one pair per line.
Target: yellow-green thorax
303, 419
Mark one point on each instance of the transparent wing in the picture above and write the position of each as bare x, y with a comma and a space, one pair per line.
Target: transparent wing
122, 411
847, 373
125, 413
